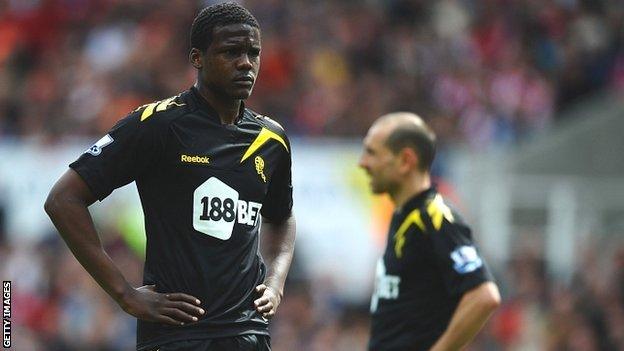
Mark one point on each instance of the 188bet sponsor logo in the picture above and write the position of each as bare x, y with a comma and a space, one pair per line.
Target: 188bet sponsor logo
217, 207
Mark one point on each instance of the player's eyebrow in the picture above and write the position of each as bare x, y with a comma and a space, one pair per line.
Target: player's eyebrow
232, 44
239, 44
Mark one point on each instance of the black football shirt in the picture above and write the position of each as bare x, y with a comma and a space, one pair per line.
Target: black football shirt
429, 262
203, 187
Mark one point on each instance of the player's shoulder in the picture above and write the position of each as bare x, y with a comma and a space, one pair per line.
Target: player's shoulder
267, 122
433, 214
161, 112
441, 214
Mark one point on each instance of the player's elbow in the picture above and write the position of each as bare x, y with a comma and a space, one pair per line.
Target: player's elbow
53, 204
57, 201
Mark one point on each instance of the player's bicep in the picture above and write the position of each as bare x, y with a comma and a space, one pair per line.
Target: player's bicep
459, 260
70, 187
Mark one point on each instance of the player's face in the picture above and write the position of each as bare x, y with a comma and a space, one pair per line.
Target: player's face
230, 64
379, 161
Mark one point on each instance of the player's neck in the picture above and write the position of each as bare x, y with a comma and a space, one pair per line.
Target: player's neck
412, 187
227, 108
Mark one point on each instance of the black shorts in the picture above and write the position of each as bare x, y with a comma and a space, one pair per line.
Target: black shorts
250, 342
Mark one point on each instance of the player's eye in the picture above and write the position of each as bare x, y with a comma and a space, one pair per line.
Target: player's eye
254, 52
232, 52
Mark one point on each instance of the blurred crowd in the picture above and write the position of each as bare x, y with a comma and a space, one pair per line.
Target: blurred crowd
485, 72
482, 72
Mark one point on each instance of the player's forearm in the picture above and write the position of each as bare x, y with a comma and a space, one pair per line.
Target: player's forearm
279, 245
473, 311
73, 221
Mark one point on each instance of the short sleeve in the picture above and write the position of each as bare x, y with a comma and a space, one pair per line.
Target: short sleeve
278, 202
460, 263
129, 149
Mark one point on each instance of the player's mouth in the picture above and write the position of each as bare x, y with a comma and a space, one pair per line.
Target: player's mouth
246, 80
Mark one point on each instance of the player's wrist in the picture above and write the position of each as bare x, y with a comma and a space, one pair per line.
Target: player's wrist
277, 290
125, 296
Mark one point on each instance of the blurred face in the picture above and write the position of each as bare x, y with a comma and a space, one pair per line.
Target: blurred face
230, 65
379, 161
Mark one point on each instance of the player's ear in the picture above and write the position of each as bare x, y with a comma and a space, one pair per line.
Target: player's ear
409, 159
195, 57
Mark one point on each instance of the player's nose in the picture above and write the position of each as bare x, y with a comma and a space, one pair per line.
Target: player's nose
362, 163
244, 63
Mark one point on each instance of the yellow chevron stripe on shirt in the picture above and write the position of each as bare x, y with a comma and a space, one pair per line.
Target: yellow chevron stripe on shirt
148, 110
437, 211
399, 237
158, 106
264, 136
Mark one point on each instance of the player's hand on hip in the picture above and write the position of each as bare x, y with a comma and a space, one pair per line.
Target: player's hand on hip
170, 308
268, 301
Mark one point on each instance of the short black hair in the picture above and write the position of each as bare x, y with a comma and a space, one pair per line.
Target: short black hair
418, 137
218, 15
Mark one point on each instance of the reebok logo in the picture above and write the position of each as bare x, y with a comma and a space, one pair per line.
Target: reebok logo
194, 159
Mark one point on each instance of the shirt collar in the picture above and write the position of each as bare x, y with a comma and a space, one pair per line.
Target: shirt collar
418, 200
203, 105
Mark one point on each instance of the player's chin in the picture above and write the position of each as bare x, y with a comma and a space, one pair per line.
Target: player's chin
241, 93
377, 189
